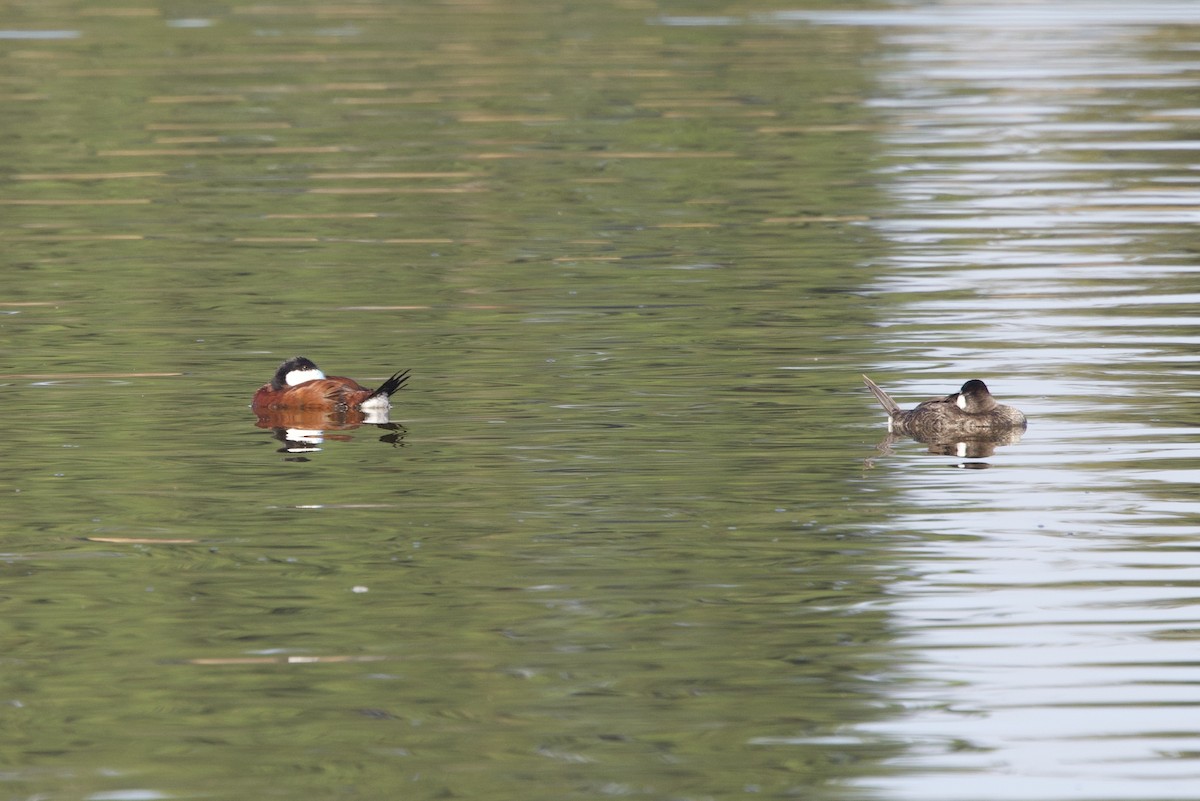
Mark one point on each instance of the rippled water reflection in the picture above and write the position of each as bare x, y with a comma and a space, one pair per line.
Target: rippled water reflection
1041, 239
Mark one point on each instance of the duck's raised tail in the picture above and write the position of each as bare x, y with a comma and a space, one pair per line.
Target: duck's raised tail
391, 385
885, 400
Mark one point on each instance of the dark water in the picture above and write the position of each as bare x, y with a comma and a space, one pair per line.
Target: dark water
632, 535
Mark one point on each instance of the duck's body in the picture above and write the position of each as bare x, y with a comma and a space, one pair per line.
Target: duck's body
970, 413
300, 384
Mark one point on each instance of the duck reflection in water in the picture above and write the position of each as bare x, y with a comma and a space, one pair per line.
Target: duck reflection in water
969, 423
306, 430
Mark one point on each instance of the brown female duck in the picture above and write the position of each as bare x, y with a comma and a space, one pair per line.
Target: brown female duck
970, 413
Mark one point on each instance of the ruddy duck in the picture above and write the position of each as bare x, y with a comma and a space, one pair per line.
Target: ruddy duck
300, 384
971, 414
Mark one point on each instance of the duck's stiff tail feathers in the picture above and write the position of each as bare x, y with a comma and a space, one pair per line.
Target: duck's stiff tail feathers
391, 385
885, 400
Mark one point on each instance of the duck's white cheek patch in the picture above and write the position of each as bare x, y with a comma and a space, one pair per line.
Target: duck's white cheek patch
303, 376
960, 449
961, 402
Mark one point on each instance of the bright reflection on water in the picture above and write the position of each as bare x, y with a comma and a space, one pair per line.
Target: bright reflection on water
1041, 159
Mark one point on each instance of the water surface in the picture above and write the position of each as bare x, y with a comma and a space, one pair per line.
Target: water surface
634, 537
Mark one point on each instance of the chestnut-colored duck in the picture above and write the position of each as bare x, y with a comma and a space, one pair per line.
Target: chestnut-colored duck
300, 384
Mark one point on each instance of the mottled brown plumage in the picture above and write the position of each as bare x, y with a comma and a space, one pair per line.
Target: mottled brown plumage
970, 413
